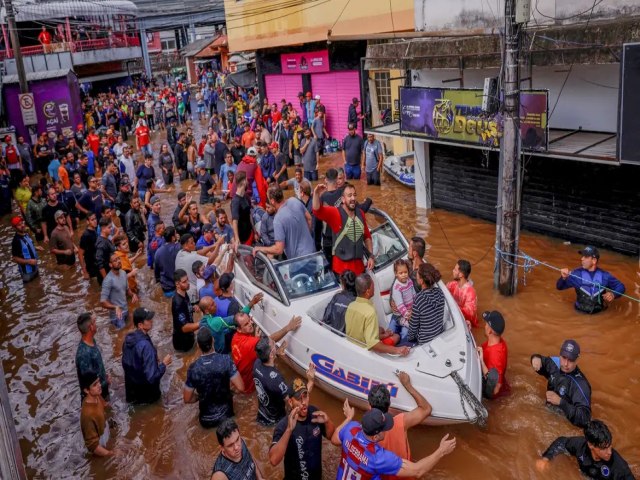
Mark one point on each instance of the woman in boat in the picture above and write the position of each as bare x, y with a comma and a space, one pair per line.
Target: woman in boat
427, 314
334, 313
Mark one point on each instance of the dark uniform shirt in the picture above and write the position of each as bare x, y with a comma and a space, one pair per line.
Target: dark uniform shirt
573, 388
182, 312
245, 469
272, 391
615, 469
88, 244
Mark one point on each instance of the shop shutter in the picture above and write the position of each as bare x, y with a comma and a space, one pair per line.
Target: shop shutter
284, 86
336, 90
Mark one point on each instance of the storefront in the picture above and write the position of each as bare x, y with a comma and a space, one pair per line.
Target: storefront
330, 71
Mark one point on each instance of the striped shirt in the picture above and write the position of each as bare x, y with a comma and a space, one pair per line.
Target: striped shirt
427, 317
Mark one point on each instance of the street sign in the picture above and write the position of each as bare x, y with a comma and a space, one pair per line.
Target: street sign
28, 109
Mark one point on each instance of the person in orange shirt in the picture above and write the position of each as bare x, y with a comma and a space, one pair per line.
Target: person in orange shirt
395, 440
248, 137
63, 173
463, 292
45, 40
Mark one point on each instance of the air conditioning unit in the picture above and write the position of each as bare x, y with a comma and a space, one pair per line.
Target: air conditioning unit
490, 95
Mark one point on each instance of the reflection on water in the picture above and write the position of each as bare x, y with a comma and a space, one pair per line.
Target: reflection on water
38, 339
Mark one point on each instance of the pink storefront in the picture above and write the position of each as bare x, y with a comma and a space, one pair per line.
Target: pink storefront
333, 73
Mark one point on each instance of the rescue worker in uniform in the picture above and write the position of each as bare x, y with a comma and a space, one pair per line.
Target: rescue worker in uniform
595, 288
351, 235
567, 387
596, 459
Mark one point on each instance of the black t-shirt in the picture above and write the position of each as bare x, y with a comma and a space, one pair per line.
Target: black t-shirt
48, 213
206, 182
353, 149
241, 211
281, 160
272, 390
303, 458
88, 244
93, 202
182, 313
210, 376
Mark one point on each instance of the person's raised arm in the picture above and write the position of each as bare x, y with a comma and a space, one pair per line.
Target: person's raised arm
348, 412
423, 407
292, 326
422, 467
279, 448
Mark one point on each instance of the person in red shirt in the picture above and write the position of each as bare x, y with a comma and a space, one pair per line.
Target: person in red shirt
94, 141
12, 158
463, 292
45, 40
143, 141
493, 356
351, 233
243, 345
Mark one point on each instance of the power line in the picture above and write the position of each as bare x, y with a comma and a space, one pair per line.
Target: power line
341, 12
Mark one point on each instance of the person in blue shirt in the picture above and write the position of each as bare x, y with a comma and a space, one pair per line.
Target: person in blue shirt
53, 168
221, 225
268, 161
207, 238
227, 166
362, 457
595, 288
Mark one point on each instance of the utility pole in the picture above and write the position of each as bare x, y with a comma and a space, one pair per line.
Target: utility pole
15, 44
508, 231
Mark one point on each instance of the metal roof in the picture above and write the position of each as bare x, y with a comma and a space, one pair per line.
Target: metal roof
30, 10
194, 47
35, 76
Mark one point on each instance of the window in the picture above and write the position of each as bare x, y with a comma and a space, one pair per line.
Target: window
169, 44
383, 90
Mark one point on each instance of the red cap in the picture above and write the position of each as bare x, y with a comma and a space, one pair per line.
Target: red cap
80, 126
309, 94
17, 220
7, 138
274, 145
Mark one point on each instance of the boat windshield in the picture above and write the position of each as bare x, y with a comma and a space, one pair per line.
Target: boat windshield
305, 276
387, 242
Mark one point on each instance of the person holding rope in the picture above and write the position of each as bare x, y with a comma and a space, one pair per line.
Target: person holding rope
595, 288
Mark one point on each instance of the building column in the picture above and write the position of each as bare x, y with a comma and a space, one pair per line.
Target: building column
145, 50
192, 32
422, 173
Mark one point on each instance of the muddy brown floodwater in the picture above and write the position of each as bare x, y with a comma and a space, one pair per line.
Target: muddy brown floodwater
38, 339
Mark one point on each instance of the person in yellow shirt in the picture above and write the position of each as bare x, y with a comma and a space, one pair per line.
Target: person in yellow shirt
23, 195
361, 321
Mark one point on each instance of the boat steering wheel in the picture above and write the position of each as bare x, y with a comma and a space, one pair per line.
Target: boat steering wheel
300, 280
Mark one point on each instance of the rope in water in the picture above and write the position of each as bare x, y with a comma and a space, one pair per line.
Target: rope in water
528, 263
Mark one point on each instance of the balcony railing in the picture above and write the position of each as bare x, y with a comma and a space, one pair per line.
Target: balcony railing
115, 41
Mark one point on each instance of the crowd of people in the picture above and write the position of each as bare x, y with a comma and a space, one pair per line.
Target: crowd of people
97, 204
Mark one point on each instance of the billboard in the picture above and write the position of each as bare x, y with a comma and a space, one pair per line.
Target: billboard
306, 62
456, 115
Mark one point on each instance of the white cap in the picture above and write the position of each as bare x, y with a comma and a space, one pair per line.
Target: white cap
317, 97
252, 152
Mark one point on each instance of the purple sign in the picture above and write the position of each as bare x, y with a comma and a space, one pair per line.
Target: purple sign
57, 103
456, 115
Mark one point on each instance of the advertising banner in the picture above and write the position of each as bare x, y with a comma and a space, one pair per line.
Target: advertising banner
456, 115
307, 62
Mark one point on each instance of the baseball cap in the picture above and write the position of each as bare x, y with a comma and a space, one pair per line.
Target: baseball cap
209, 270
252, 152
58, 214
309, 94
200, 164
374, 422
301, 94
317, 97
154, 199
570, 349
17, 220
355, 100
495, 320
590, 251
142, 314
297, 387
274, 145
225, 281
207, 228
7, 138
124, 181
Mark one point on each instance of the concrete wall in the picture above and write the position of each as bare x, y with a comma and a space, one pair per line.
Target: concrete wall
106, 55
40, 63
465, 15
589, 99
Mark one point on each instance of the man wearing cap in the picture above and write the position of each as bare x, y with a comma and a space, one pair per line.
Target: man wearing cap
23, 250
142, 369
567, 387
352, 146
209, 382
596, 458
595, 288
363, 457
297, 437
206, 183
493, 356
12, 157
61, 243
208, 237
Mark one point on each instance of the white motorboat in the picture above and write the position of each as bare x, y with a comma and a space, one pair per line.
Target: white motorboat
401, 167
447, 370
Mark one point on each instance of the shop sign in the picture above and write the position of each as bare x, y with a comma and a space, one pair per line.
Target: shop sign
306, 62
456, 115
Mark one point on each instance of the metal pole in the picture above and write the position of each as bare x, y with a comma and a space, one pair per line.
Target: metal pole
509, 194
145, 50
15, 43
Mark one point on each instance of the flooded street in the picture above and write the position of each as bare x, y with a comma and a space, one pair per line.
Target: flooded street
38, 339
